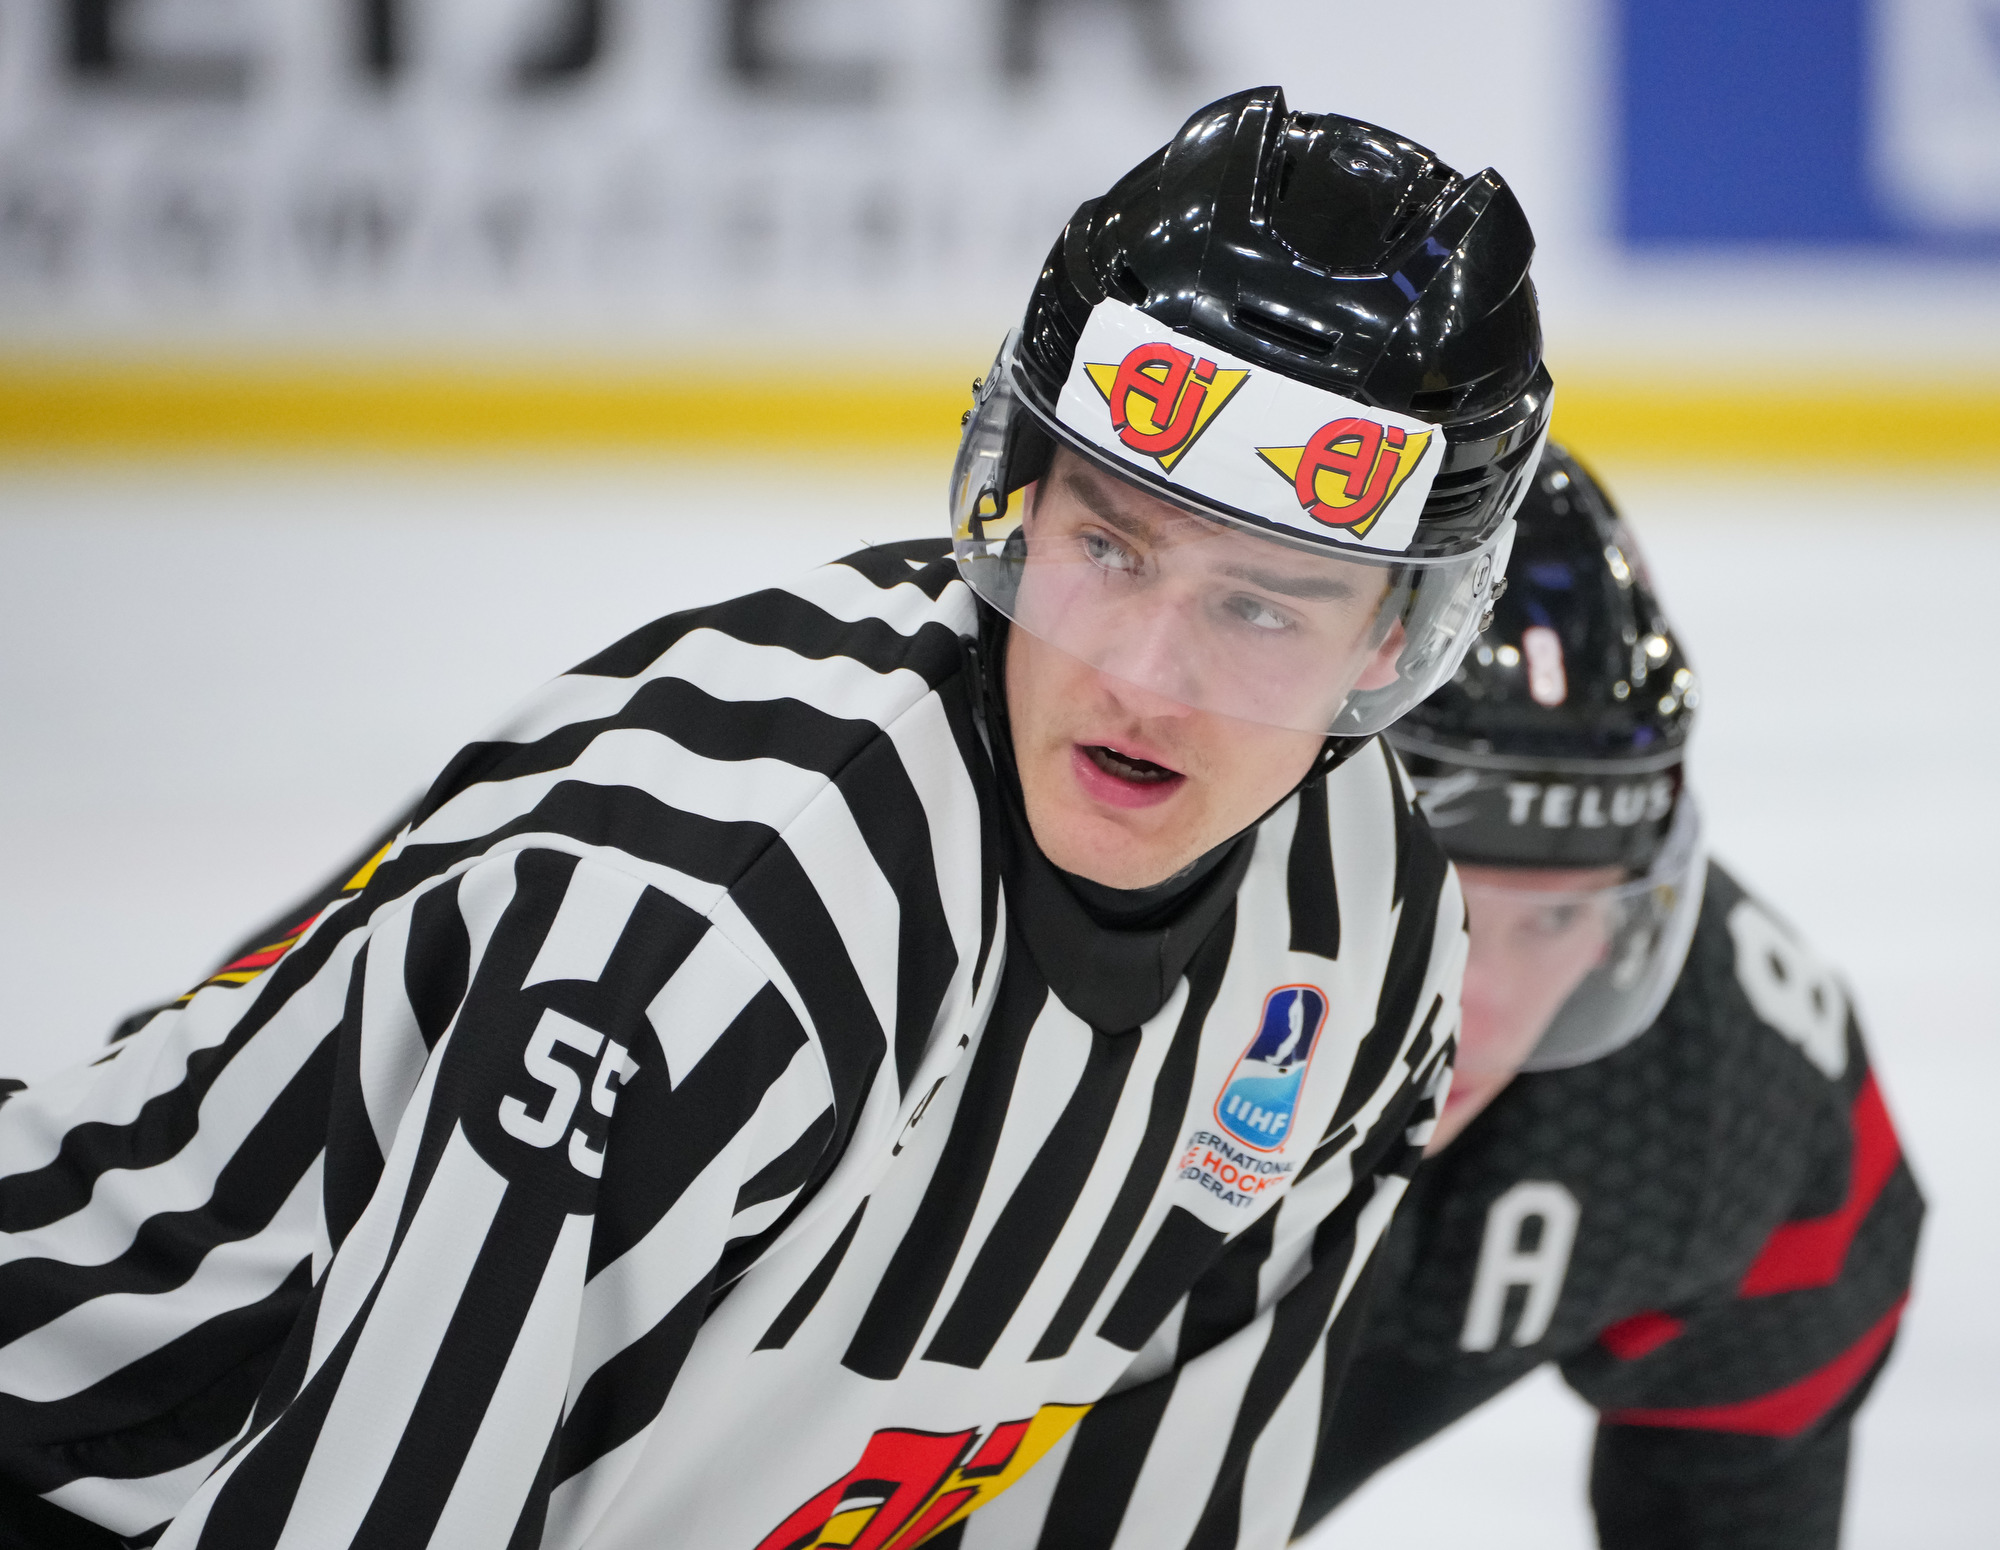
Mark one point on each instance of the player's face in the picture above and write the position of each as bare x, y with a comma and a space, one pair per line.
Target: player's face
1532, 942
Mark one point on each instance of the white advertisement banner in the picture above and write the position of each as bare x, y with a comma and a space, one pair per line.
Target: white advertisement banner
1937, 112
601, 171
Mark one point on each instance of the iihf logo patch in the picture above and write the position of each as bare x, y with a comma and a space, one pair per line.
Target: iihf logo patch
1256, 1105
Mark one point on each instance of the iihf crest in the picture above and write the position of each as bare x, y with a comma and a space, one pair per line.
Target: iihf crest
1256, 1106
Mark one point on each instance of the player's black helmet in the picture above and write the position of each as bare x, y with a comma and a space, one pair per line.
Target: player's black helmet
1558, 740
1558, 743
1297, 329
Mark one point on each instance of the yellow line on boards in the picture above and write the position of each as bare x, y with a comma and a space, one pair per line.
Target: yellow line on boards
1850, 422
69, 408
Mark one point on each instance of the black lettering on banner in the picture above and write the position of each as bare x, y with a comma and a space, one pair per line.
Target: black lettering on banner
354, 228
506, 223
758, 60
42, 223
187, 230
100, 50
567, 48
378, 39
1155, 28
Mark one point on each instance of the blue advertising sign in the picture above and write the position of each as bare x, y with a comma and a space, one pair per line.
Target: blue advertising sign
1870, 123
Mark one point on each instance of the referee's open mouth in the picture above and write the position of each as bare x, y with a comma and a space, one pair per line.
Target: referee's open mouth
1123, 777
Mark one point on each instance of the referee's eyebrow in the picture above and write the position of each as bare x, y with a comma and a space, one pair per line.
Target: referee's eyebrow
1289, 585
1099, 498
1077, 480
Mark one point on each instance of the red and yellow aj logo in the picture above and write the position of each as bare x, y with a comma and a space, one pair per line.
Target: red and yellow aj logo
1162, 398
241, 971
1350, 469
910, 1486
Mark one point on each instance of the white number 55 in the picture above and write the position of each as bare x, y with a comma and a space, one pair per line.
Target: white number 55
566, 1088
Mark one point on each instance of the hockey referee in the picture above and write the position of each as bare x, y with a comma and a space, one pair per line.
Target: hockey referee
918, 1054
1691, 1197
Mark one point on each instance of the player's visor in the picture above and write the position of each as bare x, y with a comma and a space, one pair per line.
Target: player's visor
1190, 605
1629, 941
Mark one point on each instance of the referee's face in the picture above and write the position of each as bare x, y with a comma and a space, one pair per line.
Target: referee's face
1126, 787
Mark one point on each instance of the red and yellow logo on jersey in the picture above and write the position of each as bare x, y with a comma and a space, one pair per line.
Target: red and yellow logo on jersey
1162, 398
1349, 469
241, 971
910, 1486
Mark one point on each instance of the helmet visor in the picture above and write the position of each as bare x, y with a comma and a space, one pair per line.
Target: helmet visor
1195, 607
1620, 946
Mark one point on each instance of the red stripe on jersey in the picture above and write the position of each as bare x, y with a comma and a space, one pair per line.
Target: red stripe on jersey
1801, 1255
263, 958
1783, 1412
1640, 1335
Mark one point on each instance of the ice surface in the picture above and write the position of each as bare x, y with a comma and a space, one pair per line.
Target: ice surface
215, 680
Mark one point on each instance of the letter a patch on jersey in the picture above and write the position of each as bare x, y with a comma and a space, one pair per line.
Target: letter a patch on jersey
1263, 1089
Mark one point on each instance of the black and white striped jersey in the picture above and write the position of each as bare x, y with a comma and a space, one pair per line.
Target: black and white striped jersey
709, 1123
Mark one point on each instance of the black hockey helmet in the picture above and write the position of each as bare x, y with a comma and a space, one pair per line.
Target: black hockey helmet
1557, 746
1295, 328
1558, 740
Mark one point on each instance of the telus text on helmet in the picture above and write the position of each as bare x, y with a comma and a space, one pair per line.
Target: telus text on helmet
1563, 805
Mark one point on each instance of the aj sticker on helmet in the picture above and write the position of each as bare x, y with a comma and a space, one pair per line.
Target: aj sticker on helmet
1247, 439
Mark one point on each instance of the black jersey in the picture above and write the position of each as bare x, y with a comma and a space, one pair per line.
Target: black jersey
712, 1122
1711, 1231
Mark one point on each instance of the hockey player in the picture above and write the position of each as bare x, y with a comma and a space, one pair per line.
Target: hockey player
1664, 1163
807, 1066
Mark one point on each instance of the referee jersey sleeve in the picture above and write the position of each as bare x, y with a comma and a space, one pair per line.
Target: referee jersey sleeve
471, 1227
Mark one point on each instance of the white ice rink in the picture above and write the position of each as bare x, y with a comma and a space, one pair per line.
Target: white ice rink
215, 680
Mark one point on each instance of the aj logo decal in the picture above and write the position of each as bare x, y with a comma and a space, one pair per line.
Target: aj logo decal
911, 1486
1256, 1106
241, 971
1162, 398
1350, 469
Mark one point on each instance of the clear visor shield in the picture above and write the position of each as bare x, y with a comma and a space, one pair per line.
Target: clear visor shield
1616, 952
1194, 607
